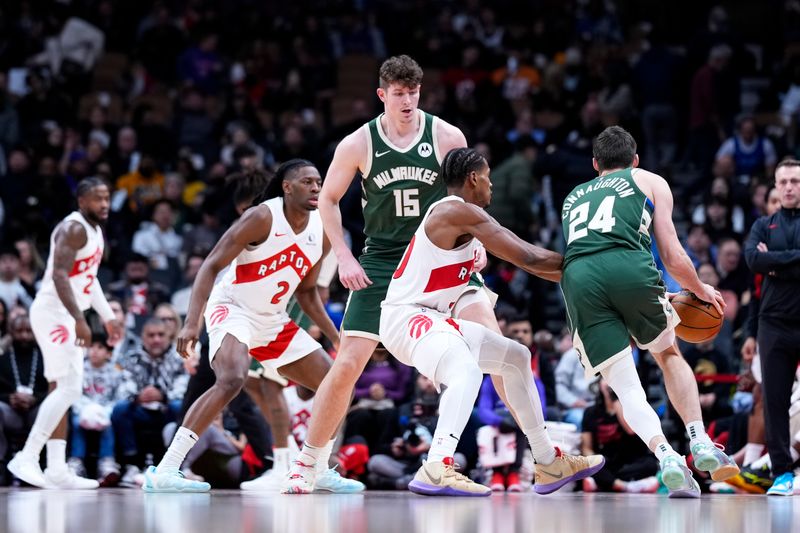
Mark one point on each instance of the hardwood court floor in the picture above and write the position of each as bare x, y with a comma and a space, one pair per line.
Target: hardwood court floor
128, 510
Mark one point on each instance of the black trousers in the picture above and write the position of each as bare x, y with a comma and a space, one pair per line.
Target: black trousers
625, 468
779, 348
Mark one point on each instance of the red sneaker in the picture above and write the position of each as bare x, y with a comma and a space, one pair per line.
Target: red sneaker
498, 482
512, 482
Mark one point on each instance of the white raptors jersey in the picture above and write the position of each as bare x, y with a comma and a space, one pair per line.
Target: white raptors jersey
429, 276
262, 278
84, 270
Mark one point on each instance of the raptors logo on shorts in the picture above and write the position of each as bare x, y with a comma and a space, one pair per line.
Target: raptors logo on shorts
219, 314
418, 325
59, 335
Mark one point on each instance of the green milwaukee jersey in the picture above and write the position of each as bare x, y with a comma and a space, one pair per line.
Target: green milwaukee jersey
399, 185
608, 212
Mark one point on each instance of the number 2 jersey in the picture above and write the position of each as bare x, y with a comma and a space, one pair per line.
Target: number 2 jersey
83, 274
399, 185
608, 212
262, 278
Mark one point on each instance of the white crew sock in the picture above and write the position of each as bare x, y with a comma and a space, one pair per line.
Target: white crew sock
752, 451
664, 450
183, 441
697, 433
544, 453
324, 456
57, 454
280, 460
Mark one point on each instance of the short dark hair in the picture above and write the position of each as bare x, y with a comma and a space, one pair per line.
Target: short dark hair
402, 70
614, 148
86, 185
458, 163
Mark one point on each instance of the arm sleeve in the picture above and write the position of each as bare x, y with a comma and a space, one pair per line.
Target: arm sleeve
327, 271
100, 304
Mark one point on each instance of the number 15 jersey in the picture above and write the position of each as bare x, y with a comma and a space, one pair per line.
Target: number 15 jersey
262, 278
399, 185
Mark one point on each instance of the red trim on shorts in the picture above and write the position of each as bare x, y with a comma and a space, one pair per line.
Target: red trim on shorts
275, 348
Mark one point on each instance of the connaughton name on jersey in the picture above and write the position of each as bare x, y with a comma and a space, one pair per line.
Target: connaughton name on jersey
386, 177
622, 187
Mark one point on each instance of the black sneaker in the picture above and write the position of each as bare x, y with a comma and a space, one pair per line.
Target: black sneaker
752, 480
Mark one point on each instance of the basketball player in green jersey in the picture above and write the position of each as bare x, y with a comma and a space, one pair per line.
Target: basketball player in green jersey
613, 292
398, 155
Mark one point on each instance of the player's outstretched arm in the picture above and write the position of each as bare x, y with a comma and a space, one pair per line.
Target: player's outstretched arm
504, 244
253, 227
675, 258
311, 303
345, 165
71, 238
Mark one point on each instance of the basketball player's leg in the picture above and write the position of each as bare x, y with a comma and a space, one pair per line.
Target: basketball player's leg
63, 368
500, 356
651, 320
445, 358
476, 306
230, 361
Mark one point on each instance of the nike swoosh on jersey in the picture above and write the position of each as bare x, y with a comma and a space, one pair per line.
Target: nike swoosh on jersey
381, 154
280, 234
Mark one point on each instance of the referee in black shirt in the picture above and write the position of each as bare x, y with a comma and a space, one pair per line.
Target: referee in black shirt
773, 249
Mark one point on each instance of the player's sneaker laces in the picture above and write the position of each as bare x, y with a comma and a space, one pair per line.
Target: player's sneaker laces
713, 459
439, 478
171, 481
331, 481
65, 478
565, 469
782, 486
300, 479
678, 478
27, 470
752, 480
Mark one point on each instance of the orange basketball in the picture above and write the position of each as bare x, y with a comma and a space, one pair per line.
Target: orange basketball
700, 321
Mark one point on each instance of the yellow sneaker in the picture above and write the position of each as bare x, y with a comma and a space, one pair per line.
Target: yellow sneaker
566, 468
440, 478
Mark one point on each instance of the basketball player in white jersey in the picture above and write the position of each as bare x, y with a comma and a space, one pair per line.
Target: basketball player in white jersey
418, 328
274, 251
69, 288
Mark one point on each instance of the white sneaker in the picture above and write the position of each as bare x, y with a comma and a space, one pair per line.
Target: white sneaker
331, 481
269, 481
300, 479
64, 478
76, 465
132, 477
171, 481
28, 470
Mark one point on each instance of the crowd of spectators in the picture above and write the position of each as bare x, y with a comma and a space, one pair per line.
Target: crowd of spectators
165, 99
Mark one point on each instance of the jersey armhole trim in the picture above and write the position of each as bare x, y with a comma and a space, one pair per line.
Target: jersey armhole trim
368, 166
435, 134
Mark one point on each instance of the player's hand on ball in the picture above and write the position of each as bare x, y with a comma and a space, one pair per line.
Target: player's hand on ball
83, 333
711, 295
352, 275
187, 338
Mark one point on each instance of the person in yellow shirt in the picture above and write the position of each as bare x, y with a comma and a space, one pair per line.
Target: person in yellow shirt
144, 186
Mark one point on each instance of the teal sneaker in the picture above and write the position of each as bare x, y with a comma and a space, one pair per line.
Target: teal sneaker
171, 481
714, 460
678, 478
331, 481
782, 486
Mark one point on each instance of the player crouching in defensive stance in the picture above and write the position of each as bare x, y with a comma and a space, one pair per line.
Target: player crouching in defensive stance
274, 251
417, 327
